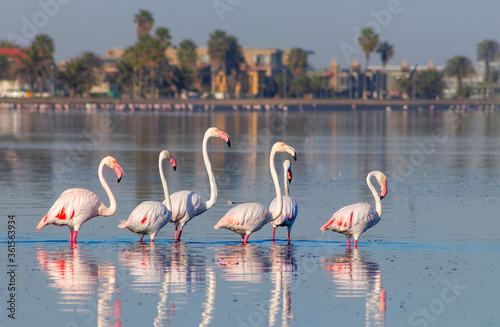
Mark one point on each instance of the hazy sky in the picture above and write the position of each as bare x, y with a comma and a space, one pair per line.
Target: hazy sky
419, 29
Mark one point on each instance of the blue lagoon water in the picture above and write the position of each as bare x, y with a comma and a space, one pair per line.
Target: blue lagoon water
433, 259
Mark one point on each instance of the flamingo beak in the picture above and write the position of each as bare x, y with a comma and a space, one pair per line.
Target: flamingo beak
118, 171
225, 137
289, 176
292, 152
173, 162
383, 191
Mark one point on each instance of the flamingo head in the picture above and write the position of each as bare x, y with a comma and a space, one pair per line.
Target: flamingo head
165, 155
215, 132
282, 147
382, 180
111, 163
287, 166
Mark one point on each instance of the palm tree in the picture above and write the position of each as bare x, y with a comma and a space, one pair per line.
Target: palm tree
226, 55
144, 20
122, 78
459, 67
297, 61
30, 66
386, 51
186, 54
368, 41
217, 48
43, 45
80, 73
487, 50
429, 84
301, 84
71, 75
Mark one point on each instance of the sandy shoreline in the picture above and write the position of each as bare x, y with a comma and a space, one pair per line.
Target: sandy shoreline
239, 103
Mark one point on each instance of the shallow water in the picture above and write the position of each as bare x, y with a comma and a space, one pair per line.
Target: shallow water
431, 261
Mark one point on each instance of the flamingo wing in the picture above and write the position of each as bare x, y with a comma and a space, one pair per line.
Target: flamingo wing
186, 205
288, 212
352, 217
148, 214
245, 217
73, 207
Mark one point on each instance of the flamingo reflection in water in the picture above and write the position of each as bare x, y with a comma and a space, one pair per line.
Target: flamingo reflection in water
165, 270
242, 262
356, 277
78, 276
283, 267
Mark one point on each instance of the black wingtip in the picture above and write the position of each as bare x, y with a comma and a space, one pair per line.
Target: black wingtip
229, 143
119, 179
175, 168
295, 157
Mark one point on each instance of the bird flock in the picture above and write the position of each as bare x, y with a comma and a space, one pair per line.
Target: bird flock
76, 206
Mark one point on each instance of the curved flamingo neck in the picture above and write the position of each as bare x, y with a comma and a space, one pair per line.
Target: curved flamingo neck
168, 203
274, 175
285, 181
103, 210
211, 177
376, 196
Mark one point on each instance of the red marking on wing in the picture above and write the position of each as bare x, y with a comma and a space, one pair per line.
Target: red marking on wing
62, 214
45, 219
350, 222
72, 215
144, 220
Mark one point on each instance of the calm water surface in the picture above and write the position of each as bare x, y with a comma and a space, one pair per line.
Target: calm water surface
433, 259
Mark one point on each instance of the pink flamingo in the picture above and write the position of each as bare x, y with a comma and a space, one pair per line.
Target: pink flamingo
77, 205
355, 219
150, 216
290, 208
247, 218
187, 204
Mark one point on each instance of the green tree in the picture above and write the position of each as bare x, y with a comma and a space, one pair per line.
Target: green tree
386, 51
459, 67
300, 85
80, 73
429, 84
368, 41
487, 51
225, 55
122, 78
31, 66
297, 61
186, 54
9, 44
144, 20
187, 57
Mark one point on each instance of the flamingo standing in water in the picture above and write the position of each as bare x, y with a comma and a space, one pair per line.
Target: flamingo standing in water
247, 218
187, 204
355, 219
290, 208
77, 205
150, 216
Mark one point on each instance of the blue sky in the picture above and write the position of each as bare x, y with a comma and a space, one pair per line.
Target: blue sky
419, 29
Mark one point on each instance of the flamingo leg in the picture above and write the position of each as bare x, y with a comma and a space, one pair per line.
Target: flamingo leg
349, 243
175, 238
288, 236
152, 240
75, 235
355, 244
180, 232
140, 241
242, 238
71, 236
246, 239
274, 230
